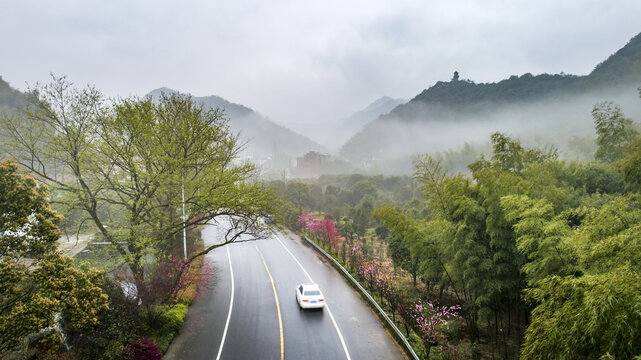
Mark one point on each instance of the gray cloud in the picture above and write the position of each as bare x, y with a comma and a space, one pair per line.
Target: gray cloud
298, 61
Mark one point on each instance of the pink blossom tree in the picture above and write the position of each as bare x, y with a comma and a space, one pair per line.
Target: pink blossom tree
429, 320
327, 231
368, 270
355, 256
322, 230
305, 221
386, 285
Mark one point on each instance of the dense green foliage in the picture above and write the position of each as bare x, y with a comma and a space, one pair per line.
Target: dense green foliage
124, 322
348, 199
527, 223
541, 254
403, 230
614, 131
528, 214
36, 282
595, 310
124, 166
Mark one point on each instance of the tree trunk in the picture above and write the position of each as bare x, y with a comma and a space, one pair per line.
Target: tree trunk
509, 318
518, 322
139, 278
496, 329
428, 348
502, 330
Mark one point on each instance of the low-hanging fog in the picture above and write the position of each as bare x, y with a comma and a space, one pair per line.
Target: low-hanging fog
387, 145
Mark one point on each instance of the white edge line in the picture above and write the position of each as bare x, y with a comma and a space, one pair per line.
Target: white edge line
340, 336
231, 306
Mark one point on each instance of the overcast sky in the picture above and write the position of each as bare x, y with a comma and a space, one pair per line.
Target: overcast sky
304, 61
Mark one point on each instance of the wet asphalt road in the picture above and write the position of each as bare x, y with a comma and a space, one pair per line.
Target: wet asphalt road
345, 329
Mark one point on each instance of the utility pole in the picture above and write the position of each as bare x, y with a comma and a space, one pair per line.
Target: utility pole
184, 220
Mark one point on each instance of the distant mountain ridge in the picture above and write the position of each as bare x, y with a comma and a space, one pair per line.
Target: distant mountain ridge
461, 100
264, 137
10, 98
333, 134
211, 101
623, 67
379, 107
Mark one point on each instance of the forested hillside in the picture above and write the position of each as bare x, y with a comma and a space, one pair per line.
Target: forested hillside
508, 105
622, 67
264, 138
10, 98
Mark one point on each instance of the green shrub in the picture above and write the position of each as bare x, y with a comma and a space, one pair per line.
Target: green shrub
453, 329
172, 318
417, 345
116, 327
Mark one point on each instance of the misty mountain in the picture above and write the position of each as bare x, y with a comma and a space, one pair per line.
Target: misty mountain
448, 114
10, 98
333, 134
263, 137
379, 107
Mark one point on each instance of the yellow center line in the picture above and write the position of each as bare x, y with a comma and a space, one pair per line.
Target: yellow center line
280, 320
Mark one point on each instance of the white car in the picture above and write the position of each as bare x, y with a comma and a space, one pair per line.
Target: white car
309, 296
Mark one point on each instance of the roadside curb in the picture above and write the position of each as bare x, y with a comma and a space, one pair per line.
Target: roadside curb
390, 323
69, 247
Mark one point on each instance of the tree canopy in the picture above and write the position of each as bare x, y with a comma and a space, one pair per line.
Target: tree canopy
125, 165
36, 282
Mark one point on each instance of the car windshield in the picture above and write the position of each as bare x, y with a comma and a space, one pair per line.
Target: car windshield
312, 292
